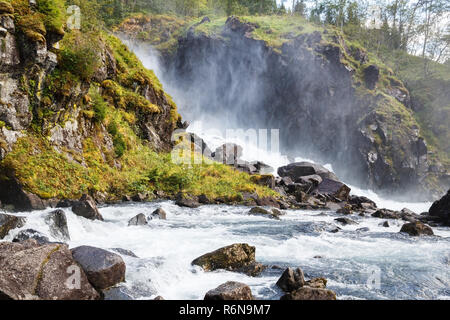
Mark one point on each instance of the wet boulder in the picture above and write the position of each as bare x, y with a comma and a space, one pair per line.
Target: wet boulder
301, 169
230, 258
386, 214
345, 221
318, 283
139, 220
104, 269
29, 271
117, 294
230, 291
13, 193
159, 214
334, 188
441, 209
417, 229
252, 270
186, 201
57, 221
87, 208
31, 234
309, 293
291, 280
272, 214
8, 223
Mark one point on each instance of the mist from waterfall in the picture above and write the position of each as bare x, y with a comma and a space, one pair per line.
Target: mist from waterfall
193, 101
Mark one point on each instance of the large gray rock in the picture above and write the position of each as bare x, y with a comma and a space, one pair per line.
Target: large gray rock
57, 222
30, 271
291, 280
417, 229
230, 291
8, 223
334, 188
272, 214
87, 208
31, 234
228, 153
159, 214
301, 169
139, 220
230, 258
104, 269
13, 193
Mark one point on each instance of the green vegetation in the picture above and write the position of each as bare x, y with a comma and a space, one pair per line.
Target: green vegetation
49, 17
50, 174
79, 54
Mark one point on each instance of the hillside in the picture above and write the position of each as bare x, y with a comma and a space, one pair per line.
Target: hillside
348, 107
80, 114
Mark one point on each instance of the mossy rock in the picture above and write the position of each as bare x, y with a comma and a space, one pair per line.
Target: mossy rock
8, 223
6, 7
233, 257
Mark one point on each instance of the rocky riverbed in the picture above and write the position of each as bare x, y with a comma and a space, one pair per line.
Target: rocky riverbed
158, 255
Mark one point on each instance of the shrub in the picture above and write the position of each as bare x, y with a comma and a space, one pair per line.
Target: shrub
99, 107
80, 54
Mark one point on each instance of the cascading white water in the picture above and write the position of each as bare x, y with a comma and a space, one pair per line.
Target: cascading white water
409, 268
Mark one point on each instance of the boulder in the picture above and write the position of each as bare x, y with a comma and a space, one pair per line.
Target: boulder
334, 188
345, 221
319, 283
8, 223
417, 229
159, 214
291, 280
228, 153
252, 270
441, 209
57, 222
385, 224
187, 202
13, 193
230, 258
308, 293
262, 168
139, 220
104, 269
301, 169
230, 291
386, 214
31, 234
272, 214
139, 197
30, 271
117, 294
87, 208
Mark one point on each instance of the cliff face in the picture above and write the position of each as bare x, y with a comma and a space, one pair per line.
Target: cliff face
330, 101
57, 118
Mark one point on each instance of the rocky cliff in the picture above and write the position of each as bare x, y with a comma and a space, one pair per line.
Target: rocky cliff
71, 107
332, 100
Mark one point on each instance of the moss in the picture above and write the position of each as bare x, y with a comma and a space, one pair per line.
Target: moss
2, 124
6, 7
